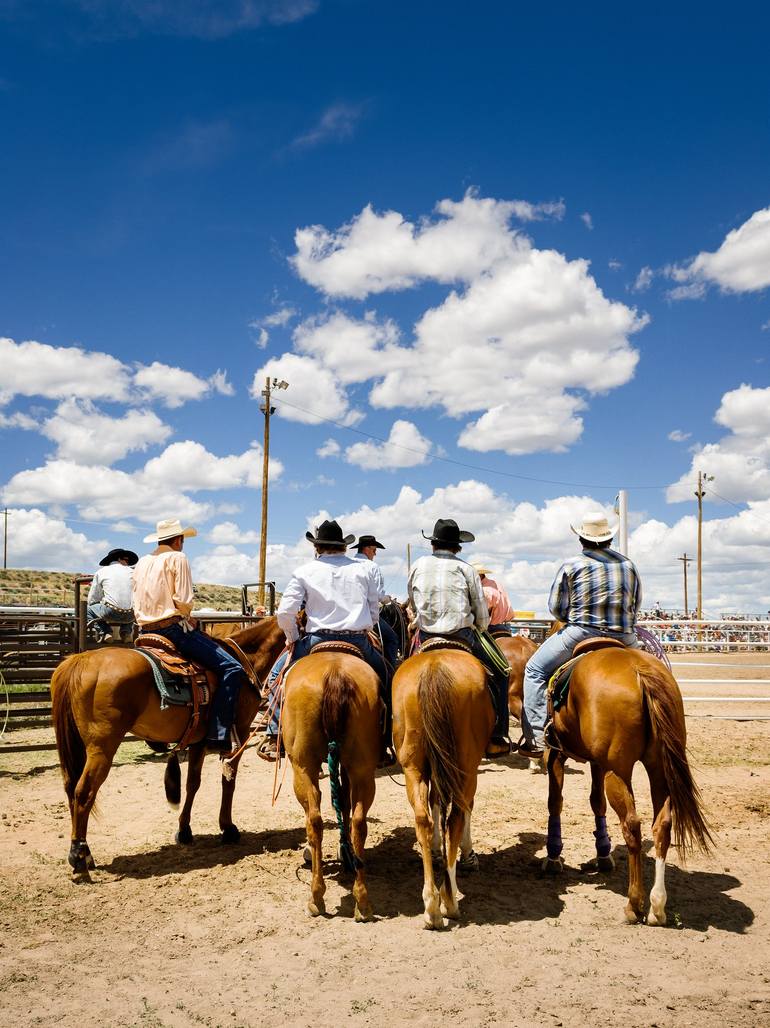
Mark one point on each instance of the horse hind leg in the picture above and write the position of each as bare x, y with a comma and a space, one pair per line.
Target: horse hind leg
449, 897
417, 792
621, 797
469, 861
362, 796
94, 773
309, 795
604, 860
661, 833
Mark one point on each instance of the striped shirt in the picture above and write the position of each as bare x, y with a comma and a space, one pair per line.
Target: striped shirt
446, 594
600, 589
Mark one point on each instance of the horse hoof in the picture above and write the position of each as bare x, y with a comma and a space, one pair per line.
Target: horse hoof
467, 865
81, 878
90, 862
552, 865
307, 855
605, 863
362, 916
631, 916
656, 920
184, 837
230, 835
451, 913
315, 909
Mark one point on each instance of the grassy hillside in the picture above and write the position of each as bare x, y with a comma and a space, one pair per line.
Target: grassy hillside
55, 589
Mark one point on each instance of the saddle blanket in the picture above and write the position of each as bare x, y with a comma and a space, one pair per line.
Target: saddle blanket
558, 684
174, 676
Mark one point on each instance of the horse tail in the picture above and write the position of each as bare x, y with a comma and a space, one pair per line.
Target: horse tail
690, 827
69, 742
338, 692
434, 690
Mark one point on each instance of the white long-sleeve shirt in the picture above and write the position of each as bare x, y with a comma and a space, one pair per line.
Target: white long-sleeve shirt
446, 594
112, 585
340, 594
377, 574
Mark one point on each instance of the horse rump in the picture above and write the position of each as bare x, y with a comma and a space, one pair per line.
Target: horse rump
69, 742
690, 827
338, 691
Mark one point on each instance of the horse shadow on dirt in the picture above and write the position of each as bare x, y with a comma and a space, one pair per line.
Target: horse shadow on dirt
696, 899
207, 851
506, 889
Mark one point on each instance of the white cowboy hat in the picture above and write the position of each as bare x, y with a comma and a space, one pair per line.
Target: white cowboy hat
481, 569
169, 529
594, 527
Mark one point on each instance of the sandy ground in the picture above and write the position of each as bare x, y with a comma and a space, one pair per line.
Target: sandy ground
215, 935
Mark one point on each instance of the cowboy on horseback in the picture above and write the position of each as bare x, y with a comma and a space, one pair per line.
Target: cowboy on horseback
501, 613
109, 598
448, 600
163, 601
595, 594
366, 549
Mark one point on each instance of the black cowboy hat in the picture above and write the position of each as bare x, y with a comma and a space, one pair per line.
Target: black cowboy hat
127, 555
446, 531
368, 540
329, 534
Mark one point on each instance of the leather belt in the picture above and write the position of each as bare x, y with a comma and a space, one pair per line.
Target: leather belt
339, 631
163, 623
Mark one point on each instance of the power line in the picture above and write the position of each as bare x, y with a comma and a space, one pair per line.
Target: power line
459, 463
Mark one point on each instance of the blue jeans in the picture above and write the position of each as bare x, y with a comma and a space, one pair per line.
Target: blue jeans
201, 648
389, 643
301, 649
105, 616
554, 652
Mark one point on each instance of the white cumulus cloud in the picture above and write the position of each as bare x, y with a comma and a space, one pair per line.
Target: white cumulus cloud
86, 435
740, 265
58, 372
405, 447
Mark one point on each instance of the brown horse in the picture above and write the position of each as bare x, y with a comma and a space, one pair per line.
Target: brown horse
100, 696
443, 718
517, 650
624, 706
331, 711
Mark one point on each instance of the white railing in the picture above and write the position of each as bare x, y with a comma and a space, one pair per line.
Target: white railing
721, 636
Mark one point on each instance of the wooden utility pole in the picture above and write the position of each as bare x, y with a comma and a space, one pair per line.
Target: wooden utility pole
685, 561
5, 539
267, 410
700, 493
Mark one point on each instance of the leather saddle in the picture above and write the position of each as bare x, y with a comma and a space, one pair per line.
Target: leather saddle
440, 642
183, 678
337, 646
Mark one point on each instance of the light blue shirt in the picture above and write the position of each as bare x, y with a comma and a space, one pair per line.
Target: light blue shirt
340, 595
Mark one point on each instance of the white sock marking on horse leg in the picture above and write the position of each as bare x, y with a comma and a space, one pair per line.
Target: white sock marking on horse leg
465, 842
657, 915
452, 909
430, 898
436, 841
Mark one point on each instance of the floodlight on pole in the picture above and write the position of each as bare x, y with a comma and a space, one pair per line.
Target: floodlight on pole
267, 409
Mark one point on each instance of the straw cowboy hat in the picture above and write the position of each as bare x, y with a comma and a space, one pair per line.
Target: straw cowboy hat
127, 555
329, 533
595, 528
481, 569
169, 529
446, 531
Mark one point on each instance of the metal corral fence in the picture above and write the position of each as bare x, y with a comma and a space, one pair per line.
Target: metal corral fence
718, 636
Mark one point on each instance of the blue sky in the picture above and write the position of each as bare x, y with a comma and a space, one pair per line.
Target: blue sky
526, 247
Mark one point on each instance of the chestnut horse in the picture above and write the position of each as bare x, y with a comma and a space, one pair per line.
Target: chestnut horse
443, 718
624, 706
98, 697
331, 711
517, 650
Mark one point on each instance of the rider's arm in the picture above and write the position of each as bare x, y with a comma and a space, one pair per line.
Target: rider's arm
558, 601
292, 599
96, 592
373, 595
479, 605
183, 586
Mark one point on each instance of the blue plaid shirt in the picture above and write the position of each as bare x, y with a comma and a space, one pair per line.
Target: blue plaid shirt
599, 589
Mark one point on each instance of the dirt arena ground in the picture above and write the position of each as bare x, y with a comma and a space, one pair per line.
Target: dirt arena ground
214, 935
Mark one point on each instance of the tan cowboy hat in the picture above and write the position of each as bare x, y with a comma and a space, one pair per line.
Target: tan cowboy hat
169, 529
595, 527
481, 569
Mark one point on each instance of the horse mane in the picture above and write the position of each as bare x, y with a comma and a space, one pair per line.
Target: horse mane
253, 637
434, 692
